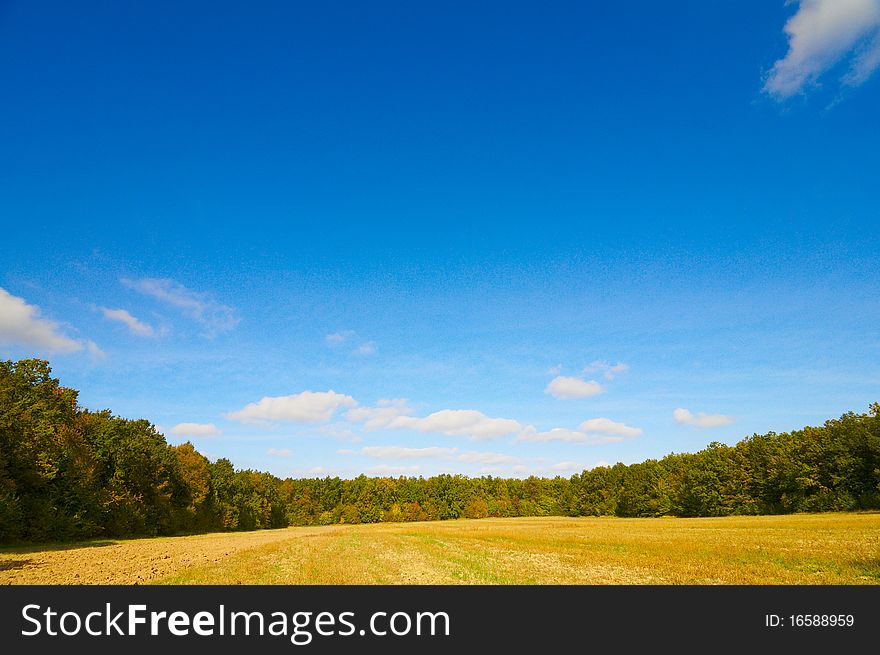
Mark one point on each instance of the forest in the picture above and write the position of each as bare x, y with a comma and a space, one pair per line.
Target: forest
70, 473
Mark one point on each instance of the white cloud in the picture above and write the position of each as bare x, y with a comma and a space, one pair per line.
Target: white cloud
530, 433
367, 348
555, 370
316, 471
380, 416
22, 325
282, 452
339, 430
215, 317
134, 325
566, 467
396, 414
401, 452
308, 407
609, 427
345, 451
488, 458
567, 388
339, 337
607, 370
459, 422
95, 352
387, 469
196, 430
700, 420
821, 34
864, 65
596, 431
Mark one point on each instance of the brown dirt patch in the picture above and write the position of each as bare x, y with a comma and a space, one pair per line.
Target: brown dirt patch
135, 561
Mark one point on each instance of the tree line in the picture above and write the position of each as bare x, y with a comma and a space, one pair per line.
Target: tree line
69, 473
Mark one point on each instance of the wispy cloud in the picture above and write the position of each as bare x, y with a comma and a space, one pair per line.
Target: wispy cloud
455, 422
488, 459
700, 420
401, 452
345, 336
196, 430
608, 427
282, 452
95, 352
307, 407
388, 469
201, 307
339, 430
435, 452
22, 325
594, 431
609, 371
134, 325
568, 388
566, 467
313, 472
381, 416
367, 348
459, 422
339, 337
821, 34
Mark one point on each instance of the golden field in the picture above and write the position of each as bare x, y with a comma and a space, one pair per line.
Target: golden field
796, 549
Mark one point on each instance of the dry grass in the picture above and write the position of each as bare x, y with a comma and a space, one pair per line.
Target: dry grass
799, 549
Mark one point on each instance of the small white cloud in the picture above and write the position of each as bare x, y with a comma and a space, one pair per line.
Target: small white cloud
282, 452
596, 431
566, 467
345, 451
317, 471
381, 416
22, 325
488, 458
700, 420
555, 370
459, 422
339, 430
864, 64
401, 452
820, 35
196, 430
365, 349
568, 388
396, 414
609, 371
95, 352
201, 307
308, 407
339, 337
134, 325
530, 433
387, 469
607, 426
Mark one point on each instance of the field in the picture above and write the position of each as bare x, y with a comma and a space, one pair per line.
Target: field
797, 549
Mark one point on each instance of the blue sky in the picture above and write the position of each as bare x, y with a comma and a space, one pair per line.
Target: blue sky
489, 238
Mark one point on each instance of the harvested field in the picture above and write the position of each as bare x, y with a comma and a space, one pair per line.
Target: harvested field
798, 549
